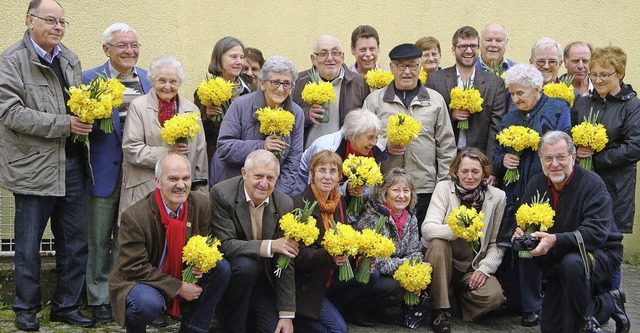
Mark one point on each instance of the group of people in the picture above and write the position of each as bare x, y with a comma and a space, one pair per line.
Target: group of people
122, 213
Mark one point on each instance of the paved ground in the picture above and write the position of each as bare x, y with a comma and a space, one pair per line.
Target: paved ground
630, 283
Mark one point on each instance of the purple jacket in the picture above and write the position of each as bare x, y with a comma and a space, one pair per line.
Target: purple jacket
240, 135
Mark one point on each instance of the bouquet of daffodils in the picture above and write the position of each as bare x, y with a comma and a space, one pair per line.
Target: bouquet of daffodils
373, 245
538, 215
300, 226
423, 76
517, 139
378, 78
276, 121
340, 240
495, 69
319, 92
413, 275
181, 128
466, 98
589, 134
402, 128
201, 252
562, 89
213, 92
96, 101
466, 223
360, 171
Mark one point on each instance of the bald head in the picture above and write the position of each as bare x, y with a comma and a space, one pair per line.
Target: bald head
493, 43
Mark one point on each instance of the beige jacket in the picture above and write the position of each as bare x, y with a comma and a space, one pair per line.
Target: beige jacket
444, 200
142, 147
428, 157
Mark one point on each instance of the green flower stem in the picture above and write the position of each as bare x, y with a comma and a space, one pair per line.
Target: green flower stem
463, 124
187, 275
283, 262
106, 125
587, 163
411, 298
364, 270
345, 272
355, 206
511, 176
80, 138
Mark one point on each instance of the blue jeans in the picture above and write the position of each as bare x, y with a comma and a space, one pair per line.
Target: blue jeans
69, 226
145, 303
329, 320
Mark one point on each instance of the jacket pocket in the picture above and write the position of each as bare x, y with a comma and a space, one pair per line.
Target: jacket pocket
38, 97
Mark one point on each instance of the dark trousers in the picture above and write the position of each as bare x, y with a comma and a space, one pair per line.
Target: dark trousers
569, 290
421, 207
145, 303
249, 295
329, 320
69, 226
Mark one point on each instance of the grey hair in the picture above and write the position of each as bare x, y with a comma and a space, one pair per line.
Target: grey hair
107, 35
525, 74
359, 121
567, 48
165, 61
392, 177
484, 29
158, 168
263, 157
278, 64
325, 37
545, 43
553, 137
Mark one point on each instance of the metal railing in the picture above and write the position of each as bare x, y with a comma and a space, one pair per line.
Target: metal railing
7, 240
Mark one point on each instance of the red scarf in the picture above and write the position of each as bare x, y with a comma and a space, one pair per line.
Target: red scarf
166, 110
399, 221
349, 150
175, 240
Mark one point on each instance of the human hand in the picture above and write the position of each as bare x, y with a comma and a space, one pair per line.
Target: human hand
547, 241
285, 325
491, 180
285, 246
213, 110
355, 191
584, 152
395, 150
510, 161
78, 127
180, 148
460, 114
197, 272
316, 113
274, 143
339, 260
189, 291
517, 233
477, 280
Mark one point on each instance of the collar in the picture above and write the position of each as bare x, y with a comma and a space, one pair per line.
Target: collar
248, 198
459, 78
339, 78
44, 54
169, 211
354, 68
555, 193
505, 63
114, 72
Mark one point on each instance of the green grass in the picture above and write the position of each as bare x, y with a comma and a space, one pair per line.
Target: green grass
633, 259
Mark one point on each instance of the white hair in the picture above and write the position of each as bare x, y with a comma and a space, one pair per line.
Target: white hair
166, 61
107, 35
524, 74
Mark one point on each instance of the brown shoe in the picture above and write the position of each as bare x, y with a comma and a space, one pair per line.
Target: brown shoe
440, 323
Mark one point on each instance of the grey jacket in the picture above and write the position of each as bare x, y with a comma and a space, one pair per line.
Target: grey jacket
34, 124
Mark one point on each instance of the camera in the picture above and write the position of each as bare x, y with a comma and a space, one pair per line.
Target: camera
526, 243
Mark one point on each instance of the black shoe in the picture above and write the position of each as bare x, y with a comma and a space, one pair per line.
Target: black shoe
620, 315
74, 318
440, 323
530, 319
102, 313
27, 321
591, 326
159, 322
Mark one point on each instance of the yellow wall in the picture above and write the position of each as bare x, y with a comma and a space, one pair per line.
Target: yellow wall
188, 29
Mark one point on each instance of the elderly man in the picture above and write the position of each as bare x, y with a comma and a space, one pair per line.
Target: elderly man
147, 278
328, 60
576, 60
365, 46
582, 250
246, 210
546, 55
43, 166
428, 157
120, 45
484, 125
493, 45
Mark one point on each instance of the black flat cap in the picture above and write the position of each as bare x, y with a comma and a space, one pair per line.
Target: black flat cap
405, 51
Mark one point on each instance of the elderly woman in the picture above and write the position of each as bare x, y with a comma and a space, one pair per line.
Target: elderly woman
430, 53
532, 109
395, 199
252, 64
314, 311
142, 144
358, 136
240, 130
453, 259
227, 59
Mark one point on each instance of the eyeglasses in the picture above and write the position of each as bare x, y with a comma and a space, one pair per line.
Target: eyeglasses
559, 158
595, 76
285, 84
464, 47
52, 21
331, 172
551, 62
402, 67
123, 46
325, 54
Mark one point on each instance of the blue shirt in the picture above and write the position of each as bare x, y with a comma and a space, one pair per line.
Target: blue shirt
44, 54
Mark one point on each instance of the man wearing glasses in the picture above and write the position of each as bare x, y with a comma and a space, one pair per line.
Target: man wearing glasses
327, 58
122, 48
484, 125
546, 55
428, 157
41, 164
